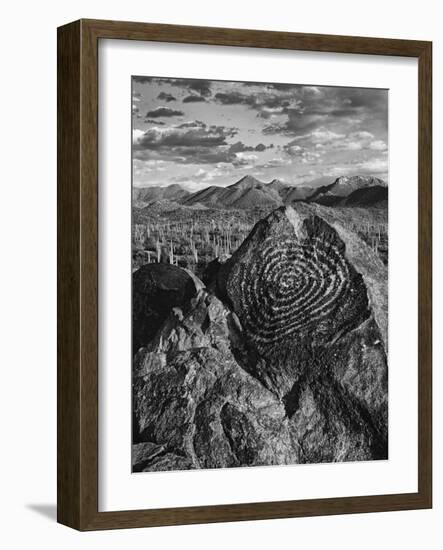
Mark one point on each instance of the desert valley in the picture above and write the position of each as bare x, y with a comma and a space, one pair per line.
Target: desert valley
190, 230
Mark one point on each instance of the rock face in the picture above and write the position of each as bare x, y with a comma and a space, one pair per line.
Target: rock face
195, 404
156, 289
282, 361
311, 302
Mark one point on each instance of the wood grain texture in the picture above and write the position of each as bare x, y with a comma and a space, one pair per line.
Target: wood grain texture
68, 276
78, 271
254, 38
425, 274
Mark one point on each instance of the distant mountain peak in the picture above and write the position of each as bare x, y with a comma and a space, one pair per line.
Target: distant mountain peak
360, 181
145, 195
246, 181
176, 186
249, 192
277, 184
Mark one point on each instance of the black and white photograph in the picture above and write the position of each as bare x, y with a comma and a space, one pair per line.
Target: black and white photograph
220, 285
259, 274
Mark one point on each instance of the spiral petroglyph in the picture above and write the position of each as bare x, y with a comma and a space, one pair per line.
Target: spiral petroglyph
295, 285
291, 287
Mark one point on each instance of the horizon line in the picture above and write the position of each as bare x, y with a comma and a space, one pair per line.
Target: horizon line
304, 184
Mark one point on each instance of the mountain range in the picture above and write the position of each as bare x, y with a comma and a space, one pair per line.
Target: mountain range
145, 195
249, 192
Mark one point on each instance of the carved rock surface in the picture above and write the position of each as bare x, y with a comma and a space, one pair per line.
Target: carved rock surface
285, 364
311, 300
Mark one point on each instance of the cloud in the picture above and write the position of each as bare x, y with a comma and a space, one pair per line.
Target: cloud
193, 99
194, 142
199, 86
271, 112
176, 136
156, 122
311, 146
331, 107
143, 79
166, 97
261, 147
137, 135
296, 123
378, 145
320, 136
235, 98
194, 177
325, 128
324, 140
274, 107
370, 167
240, 147
362, 135
292, 109
203, 87
142, 170
267, 104
192, 124
190, 142
164, 112
373, 166
301, 153
244, 159
276, 162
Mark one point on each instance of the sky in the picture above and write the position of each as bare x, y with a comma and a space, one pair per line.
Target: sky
198, 132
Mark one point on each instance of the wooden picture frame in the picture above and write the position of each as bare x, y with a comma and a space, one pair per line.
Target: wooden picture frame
78, 274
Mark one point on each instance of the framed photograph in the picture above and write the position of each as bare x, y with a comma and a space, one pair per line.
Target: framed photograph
244, 275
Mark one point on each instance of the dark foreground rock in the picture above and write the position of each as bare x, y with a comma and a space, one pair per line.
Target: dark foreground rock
194, 400
153, 458
156, 289
287, 364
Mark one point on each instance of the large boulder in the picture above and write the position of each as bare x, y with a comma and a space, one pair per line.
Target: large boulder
195, 407
311, 299
156, 289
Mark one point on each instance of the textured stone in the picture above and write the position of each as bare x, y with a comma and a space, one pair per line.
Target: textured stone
192, 398
312, 305
286, 364
156, 289
149, 457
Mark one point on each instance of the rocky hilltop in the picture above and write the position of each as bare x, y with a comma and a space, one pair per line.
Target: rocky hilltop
280, 359
249, 193
145, 195
351, 191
